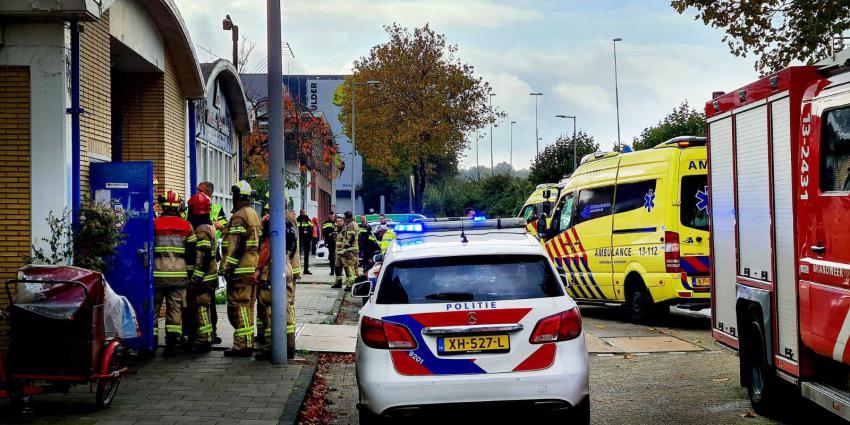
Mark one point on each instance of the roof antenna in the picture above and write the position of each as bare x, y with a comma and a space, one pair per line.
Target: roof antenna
462, 234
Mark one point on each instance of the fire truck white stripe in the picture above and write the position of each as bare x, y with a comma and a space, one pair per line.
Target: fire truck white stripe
841, 341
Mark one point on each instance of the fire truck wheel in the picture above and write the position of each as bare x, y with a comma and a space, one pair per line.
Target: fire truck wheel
758, 374
639, 303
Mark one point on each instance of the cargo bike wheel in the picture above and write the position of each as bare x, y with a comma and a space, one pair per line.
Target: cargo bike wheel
106, 386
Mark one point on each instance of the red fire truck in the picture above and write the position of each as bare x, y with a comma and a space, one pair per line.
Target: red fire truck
779, 178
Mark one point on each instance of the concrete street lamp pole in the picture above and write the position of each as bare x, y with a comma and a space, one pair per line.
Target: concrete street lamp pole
536, 136
277, 183
617, 91
575, 142
512, 146
354, 139
492, 170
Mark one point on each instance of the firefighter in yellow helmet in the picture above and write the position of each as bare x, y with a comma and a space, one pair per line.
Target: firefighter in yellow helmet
241, 243
170, 275
264, 298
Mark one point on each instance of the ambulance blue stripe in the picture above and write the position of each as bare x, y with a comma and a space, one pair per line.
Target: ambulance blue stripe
581, 277
592, 280
570, 269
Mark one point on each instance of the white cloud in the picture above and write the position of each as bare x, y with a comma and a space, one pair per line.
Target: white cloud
584, 96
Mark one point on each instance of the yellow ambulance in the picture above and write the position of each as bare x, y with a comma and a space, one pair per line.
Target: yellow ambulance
533, 206
632, 229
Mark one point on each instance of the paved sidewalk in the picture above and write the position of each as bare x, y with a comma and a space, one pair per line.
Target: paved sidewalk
205, 388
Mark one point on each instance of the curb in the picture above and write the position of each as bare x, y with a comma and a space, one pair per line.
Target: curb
298, 393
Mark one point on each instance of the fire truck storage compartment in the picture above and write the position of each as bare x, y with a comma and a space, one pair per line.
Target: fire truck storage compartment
722, 195
753, 189
783, 225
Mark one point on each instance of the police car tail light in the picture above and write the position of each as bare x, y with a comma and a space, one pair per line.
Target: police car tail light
563, 326
671, 252
386, 335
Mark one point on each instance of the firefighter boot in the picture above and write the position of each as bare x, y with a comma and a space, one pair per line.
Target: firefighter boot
290, 345
171, 340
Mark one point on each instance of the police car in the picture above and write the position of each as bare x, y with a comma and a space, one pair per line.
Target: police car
470, 314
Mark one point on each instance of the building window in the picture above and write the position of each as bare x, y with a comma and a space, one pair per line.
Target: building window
216, 166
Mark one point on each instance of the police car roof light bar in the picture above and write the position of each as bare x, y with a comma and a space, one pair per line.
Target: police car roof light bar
459, 224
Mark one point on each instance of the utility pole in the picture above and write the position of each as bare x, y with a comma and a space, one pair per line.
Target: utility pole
536, 135
277, 183
492, 170
575, 161
354, 139
512, 147
617, 92
228, 25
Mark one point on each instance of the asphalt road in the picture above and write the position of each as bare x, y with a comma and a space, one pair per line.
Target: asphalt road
694, 387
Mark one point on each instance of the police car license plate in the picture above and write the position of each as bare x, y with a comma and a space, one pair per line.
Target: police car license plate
474, 344
702, 282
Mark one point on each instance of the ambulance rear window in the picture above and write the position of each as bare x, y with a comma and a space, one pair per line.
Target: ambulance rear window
694, 209
468, 278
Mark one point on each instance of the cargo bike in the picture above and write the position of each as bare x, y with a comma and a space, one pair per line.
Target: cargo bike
62, 332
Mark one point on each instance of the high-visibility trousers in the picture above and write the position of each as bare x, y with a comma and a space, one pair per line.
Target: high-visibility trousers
241, 296
346, 263
174, 298
201, 297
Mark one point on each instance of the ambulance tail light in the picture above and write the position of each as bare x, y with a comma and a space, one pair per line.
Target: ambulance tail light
671, 252
563, 326
383, 335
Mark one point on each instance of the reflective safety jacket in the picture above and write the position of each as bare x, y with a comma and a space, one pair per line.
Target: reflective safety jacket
305, 228
346, 239
241, 242
205, 269
171, 234
292, 245
217, 215
389, 237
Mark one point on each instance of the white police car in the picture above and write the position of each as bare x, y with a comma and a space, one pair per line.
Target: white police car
469, 314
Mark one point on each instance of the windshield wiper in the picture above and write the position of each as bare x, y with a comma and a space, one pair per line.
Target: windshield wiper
451, 296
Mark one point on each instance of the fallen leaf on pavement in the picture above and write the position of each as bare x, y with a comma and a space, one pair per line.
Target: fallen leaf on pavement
600, 326
720, 380
749, 414
629, 357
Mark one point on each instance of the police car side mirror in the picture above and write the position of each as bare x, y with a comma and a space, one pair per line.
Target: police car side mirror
565, 280
378, 258
362, 289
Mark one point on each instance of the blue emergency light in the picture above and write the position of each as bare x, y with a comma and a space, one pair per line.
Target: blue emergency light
409, 228
479, 218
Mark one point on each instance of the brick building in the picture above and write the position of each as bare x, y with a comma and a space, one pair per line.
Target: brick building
85, 81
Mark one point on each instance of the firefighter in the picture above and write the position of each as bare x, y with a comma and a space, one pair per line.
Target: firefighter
171, 234
294, 254
305, 238
368, 244
264, 298
346, 251
241, 243
204, 279
328, 230
387, 237
219, 220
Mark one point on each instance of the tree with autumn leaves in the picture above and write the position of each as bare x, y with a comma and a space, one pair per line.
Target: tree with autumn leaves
416, 121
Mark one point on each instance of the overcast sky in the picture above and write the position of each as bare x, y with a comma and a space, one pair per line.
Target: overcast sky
560, 48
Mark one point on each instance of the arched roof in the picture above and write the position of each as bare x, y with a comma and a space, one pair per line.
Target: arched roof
231, 86
176, 36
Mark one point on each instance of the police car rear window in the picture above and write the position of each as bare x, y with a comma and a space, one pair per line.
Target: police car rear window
468, 278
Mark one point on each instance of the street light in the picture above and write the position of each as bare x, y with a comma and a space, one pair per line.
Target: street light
228, 25
491, 135
617, 91
575, 162
536, 136
512, 146
371, 83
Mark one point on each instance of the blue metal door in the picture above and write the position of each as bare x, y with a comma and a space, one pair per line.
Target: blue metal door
128, 187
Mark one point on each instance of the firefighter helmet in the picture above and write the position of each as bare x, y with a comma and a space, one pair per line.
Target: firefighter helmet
200, 204
242, 189
170, 199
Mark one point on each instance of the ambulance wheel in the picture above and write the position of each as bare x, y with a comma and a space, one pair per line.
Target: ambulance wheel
639, 305
759, 377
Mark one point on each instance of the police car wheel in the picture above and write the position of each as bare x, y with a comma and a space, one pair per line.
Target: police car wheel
580, 414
